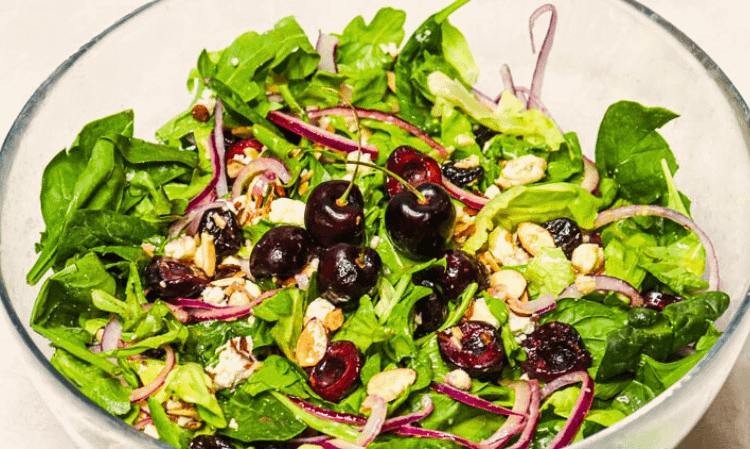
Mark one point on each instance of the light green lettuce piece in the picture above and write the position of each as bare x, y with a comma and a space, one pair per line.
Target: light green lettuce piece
510, 116
536, 203
550, 271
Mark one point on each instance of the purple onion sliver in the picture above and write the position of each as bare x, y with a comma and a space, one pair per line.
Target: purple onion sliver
606, 283
272, 168
581, 407
339, 417
381, 117
111, 335
147, 390
508, 84
400, 421
318, 135
437, 434
470, 199
712, 262
590, 179
524, 441
541, 62
514, 424
472, 400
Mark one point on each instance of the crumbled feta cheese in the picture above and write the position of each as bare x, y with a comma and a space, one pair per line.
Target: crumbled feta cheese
233, 424
182, 248
520, 324
235, 61
151, 431
235, 363
355, 156
285, 210
374, 241
492, 191
214, 295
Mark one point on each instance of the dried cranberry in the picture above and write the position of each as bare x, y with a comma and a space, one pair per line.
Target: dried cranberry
222, 224
461, 176
554, 349
209, 442
656, 300
413, 166
473, 346
170, 278
482, 135
566, 234
338, 373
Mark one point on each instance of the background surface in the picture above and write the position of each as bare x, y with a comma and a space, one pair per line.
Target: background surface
37, 35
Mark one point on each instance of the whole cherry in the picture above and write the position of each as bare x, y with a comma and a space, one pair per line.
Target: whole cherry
413, 167
346, 272
335, 213
420, 224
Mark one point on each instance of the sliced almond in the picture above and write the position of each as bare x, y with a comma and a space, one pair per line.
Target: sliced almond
534, 237
312, 343
392, 383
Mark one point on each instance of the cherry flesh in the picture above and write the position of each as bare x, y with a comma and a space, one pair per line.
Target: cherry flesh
331, 220
473, 346
169, 278
420, 229
413, 166
280, 252
346, 272
337, 374
554, 349
222, 224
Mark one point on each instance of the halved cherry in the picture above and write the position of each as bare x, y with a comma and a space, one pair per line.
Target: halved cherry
338, 373
245, 147
413, 166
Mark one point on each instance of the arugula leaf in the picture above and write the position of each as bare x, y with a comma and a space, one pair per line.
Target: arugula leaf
363, 328
630, 150
363, 47
168, 431
260, 417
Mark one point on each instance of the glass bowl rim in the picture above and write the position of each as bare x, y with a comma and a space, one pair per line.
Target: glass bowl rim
11, 144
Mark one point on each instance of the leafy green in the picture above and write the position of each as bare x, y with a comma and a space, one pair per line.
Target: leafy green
260, 417
550, 271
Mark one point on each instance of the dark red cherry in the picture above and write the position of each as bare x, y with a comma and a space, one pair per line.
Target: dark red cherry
420, 229
337, 374
554, 349
461, 269
330, 220
473, 346
346, 272
210, 442
170, 278
222, 224
413, 166
656, 300
280, 252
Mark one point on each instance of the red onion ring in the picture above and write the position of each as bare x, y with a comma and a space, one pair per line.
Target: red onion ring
140, 425
330, 415
472, 400
514, 424
378, 411
111, 336
470, 199
381, 117
541, 62
712, 262
419, 432
590, 179
581, 407
326, 47
319, 135
525, 439
271, 167
610, 284
401, 421
540, 305
147, 390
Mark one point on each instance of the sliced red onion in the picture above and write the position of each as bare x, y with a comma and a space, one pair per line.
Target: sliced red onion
543, 304
140, 425
147, 390
220, 152
111, 336
400, 421
190, 221
485, 99
271, 167
181, 315
581, 407
194, 304
541, 62
378, 411
472, 400
508, 84
609, 284
470, 199
222, 313
419, 432
96, 349
319, 135
590, 179
381, 117
326, 48
515, 423
524, 441
712, 262
330, 415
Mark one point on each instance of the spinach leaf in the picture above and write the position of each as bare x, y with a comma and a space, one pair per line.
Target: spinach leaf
104, 389
363, 47
363, 328
260, 417
286, 308
277, 374
630, 150
691, 318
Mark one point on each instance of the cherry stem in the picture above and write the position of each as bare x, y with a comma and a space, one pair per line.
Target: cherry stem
420, 196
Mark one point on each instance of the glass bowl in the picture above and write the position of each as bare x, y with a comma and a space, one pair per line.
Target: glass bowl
603, 52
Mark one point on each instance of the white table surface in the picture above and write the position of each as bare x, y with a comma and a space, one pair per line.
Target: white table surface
37, 35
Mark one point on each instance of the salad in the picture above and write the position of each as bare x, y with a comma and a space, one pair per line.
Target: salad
344, 245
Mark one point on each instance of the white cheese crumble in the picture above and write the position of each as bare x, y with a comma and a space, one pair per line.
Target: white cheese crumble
234, 363
285, 210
